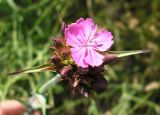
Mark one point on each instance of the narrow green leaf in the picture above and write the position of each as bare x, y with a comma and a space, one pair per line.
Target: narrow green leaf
128, 53
41, 68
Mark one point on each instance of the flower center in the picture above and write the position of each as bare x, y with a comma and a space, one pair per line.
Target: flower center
86, 44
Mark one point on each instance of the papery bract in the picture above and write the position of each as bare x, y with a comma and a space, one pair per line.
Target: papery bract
86, 42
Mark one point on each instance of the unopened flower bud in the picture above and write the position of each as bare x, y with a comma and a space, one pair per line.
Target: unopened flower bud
109, 58
66, 71
57, 42
65, 53
55, 59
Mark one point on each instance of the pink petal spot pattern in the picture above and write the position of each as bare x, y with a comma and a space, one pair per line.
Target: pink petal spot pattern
86, 42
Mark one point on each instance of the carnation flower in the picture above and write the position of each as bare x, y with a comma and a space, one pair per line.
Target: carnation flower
79, 57
87, 43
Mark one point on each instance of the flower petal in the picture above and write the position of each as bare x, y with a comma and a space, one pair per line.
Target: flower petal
88, 26
73, 35
102, 40
80, 20
78, 55
93, 58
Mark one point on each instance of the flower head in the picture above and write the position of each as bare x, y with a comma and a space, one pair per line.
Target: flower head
87, 43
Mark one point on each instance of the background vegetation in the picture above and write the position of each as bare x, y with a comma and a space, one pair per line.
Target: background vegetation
26, 29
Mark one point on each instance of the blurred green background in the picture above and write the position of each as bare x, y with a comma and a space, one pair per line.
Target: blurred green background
26, 29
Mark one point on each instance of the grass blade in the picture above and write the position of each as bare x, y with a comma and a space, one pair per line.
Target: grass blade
128, 53
45, 67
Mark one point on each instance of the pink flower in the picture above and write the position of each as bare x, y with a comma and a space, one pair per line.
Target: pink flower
87, 43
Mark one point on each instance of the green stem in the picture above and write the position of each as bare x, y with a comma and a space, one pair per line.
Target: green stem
50, 83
